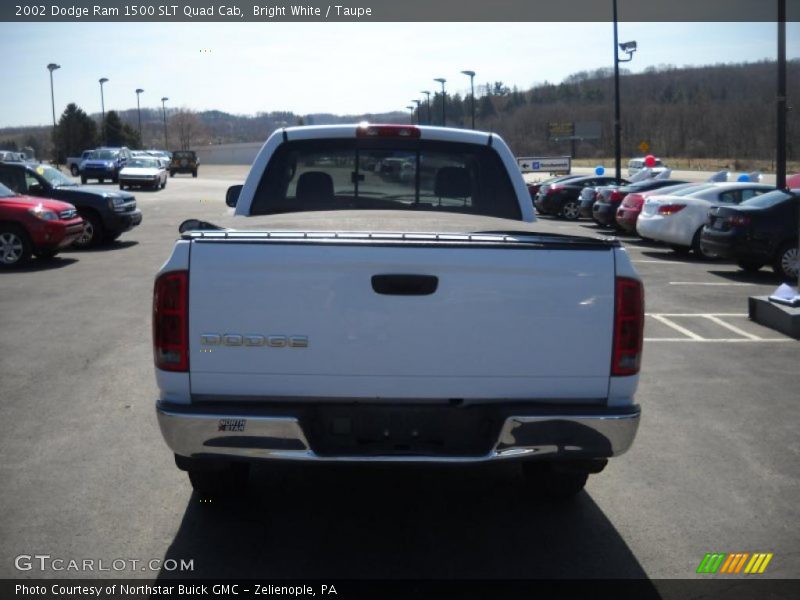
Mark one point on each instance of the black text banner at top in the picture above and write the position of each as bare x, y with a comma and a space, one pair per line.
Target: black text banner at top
394, 11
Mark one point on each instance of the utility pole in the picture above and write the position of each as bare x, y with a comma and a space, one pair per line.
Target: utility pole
442, 80
139, 114
428, 96
52, 67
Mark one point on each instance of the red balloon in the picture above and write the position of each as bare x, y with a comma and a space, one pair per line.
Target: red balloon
649, 161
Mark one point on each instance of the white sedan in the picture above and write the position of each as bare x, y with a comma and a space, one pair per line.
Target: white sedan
677, 219
143, 172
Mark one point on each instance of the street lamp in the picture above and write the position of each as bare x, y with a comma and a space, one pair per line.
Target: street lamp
410, 107
139, 114
444, 117
418, 102
471, 75
52, 67
103, 108
629, 48
428, 96
164, 111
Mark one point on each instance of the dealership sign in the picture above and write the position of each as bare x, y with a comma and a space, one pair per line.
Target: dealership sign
545, 164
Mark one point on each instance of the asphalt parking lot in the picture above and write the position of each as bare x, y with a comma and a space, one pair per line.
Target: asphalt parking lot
86, 475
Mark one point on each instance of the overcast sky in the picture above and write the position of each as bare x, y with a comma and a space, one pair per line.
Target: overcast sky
342, 68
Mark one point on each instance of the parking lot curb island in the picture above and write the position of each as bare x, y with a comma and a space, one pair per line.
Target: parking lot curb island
785, 319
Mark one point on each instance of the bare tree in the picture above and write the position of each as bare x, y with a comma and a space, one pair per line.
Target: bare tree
188, 128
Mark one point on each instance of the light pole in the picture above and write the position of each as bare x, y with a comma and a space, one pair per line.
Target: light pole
418, 102
442, 80
428, 96
52, 67
780, 155
139, 114
411, 117
103, 108
164, 111
471, 75
629, 48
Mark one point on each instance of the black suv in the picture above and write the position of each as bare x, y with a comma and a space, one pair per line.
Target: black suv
183, 161
106, 215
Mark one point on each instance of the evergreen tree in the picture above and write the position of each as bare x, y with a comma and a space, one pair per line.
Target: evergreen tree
114, 135
75, 132
485, 108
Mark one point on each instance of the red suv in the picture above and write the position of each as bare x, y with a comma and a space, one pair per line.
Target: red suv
34, 226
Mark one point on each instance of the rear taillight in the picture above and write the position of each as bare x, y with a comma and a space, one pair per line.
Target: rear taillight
616, 196
171, 321
553, 189
670, 209
626, 355
738, 220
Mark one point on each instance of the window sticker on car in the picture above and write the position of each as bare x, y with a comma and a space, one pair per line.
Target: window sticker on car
232, 424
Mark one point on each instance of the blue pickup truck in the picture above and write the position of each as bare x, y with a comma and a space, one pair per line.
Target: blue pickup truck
104, 163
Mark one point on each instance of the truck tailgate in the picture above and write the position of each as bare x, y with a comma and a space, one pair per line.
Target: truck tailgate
269, 319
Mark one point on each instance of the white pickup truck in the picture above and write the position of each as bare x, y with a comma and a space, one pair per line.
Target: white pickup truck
347, 314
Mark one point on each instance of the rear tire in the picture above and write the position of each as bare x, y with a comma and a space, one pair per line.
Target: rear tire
83, 179
172, 173
74, 170
15, 246
787, 262
224, 481
571, 210
548, 482
697, 249
194, 173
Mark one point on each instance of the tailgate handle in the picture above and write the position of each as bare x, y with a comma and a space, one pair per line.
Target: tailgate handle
405, 285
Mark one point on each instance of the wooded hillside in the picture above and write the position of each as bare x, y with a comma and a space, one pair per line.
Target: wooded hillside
721, 111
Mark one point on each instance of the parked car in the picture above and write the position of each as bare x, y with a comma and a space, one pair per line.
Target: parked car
106, 215
678, 219
143, 172
535, 186
38, 226
637, 164
12, 156
162, 154
604, 209
104, 163
184, 161
760, 231
587, 198
562, 198
74, 162
631, 207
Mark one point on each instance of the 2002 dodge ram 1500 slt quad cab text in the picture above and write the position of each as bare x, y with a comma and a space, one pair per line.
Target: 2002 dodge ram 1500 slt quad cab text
357, 311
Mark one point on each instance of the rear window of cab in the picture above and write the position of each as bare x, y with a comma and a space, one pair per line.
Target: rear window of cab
388, 174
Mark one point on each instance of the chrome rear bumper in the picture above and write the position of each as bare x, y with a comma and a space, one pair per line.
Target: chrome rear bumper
598, 434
